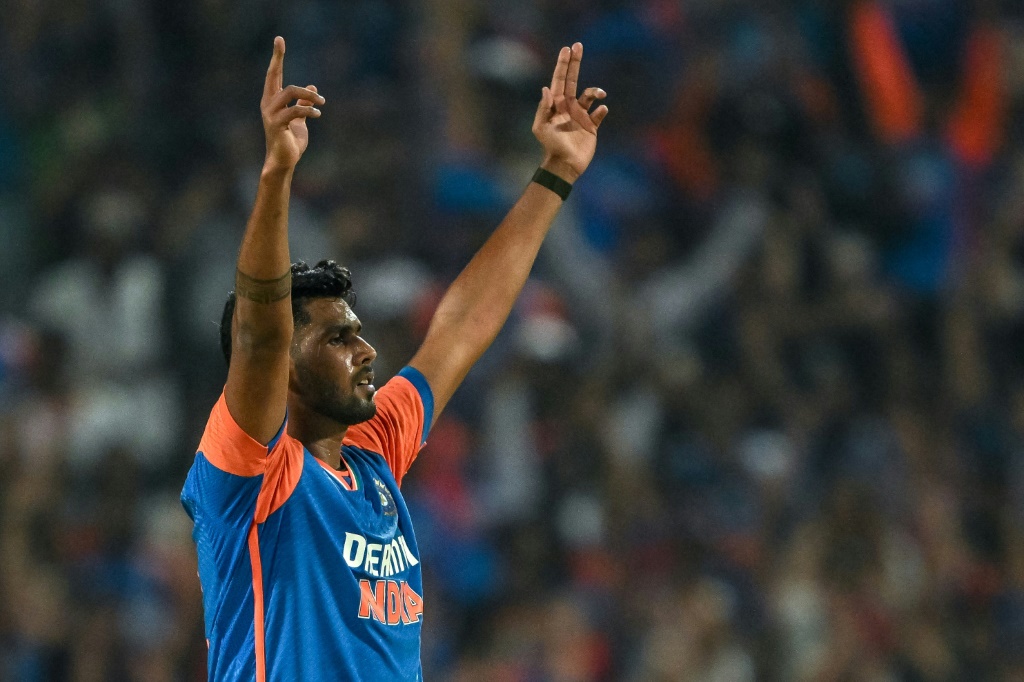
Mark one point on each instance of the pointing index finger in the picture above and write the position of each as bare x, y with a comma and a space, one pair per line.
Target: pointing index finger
275, 72
573, 70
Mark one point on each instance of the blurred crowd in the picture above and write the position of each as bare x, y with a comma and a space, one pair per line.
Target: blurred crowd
758, 415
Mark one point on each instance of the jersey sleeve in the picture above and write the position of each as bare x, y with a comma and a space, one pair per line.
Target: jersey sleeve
405, 408
235, 478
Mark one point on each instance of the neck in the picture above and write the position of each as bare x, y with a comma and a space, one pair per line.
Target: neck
321, 435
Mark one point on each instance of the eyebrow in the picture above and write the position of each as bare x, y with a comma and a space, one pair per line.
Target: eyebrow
354, 327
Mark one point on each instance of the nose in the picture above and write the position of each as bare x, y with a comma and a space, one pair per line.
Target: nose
366, 353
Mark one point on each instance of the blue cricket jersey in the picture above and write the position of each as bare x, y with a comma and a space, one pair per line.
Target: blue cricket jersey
310, 573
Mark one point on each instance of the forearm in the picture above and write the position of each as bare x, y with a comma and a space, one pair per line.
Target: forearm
264, 257
261, 328
263, 291
477, 304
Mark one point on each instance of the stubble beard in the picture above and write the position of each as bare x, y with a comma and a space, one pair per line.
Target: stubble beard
327, 399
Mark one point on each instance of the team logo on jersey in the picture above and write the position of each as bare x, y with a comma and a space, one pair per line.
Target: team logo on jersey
387, 503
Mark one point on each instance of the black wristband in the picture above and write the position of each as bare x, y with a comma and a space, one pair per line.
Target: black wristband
546, 178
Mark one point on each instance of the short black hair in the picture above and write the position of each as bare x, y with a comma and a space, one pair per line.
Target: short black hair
326, 279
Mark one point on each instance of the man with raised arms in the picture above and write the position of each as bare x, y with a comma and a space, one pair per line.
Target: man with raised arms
307, 556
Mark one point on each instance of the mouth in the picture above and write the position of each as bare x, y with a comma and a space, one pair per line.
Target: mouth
366, 383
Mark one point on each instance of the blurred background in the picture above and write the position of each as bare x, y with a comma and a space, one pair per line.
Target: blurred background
758, 415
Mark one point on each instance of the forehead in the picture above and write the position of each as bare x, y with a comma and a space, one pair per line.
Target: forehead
330, 312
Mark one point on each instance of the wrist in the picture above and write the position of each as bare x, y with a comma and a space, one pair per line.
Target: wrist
550, 181
275, 170
560, 168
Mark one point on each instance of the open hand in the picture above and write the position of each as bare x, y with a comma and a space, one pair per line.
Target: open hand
285, 126
564, 125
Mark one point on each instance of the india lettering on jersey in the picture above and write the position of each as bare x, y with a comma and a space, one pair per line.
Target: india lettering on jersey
391, 602
396, 598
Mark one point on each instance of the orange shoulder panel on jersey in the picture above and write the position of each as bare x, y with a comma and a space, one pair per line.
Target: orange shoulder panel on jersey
404, 408
226, 446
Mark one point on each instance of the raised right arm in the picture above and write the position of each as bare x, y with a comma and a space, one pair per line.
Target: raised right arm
261, 329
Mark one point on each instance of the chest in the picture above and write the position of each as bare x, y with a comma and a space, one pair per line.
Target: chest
361, 498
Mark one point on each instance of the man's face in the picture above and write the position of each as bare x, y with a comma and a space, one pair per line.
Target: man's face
333, 371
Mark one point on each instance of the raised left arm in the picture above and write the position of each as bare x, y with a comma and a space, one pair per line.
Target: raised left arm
477, 304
